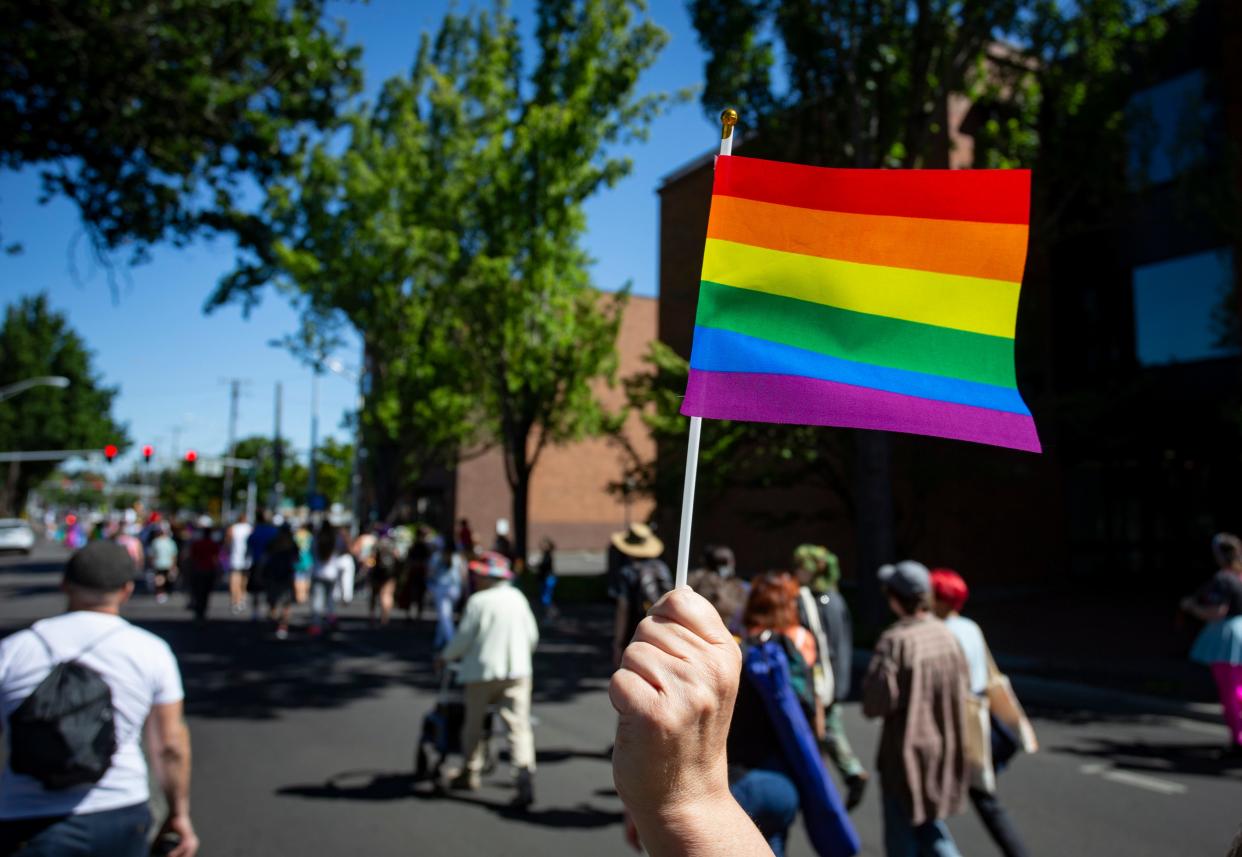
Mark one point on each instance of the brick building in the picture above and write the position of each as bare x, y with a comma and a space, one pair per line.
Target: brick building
569, 497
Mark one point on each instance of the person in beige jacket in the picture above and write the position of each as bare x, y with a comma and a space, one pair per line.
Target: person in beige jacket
493, 646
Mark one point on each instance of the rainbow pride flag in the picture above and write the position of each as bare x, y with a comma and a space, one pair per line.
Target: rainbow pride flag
872, 299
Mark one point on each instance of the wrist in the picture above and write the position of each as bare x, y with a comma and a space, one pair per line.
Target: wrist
689, 809
688, 826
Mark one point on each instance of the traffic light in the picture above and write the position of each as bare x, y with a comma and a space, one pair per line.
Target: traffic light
191, 456
110, 452
147, 452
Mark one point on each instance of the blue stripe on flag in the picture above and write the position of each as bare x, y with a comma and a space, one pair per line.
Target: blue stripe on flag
726, 351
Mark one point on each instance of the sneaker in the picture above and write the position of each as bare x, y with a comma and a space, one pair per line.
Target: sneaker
282, 632
855, 788
466, 782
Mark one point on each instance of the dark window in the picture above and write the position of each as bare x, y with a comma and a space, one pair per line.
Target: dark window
1184, 309
1168, 126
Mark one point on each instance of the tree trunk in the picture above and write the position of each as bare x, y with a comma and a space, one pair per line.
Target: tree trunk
873, 495
518, 472
521, 499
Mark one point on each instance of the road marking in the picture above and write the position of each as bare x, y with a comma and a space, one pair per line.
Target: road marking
1129, 778
1141, 781
1201, 728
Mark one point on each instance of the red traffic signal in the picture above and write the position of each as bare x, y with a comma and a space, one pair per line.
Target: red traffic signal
191, 456
147, 452
110, 452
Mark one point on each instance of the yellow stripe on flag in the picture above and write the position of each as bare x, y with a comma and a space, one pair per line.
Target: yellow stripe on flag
945, 300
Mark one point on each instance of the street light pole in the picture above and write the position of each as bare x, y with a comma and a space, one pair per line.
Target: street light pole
339, 368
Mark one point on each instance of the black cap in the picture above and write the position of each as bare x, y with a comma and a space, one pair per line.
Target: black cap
103, 565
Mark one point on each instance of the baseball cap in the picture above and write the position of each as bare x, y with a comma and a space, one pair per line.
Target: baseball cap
907, 578
949, 587
102, 565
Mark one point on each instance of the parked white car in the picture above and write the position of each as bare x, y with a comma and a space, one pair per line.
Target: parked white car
16, 535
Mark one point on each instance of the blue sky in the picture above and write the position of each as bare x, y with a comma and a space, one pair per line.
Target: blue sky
171, 361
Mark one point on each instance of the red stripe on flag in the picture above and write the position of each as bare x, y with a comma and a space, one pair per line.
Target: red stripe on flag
983, 196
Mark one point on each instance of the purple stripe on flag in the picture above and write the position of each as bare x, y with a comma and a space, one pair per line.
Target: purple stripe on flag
810, 401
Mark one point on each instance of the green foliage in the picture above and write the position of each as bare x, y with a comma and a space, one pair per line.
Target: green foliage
731, 454
866, 82
149, 115
35, 340
447, 229
335, 461
181, 489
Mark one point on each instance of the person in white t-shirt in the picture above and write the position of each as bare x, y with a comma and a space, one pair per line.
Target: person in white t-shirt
109, 817
951, 592
235, 540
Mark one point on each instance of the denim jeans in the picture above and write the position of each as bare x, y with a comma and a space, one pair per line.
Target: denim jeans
771, 800
903, 839
111, 833
446, 600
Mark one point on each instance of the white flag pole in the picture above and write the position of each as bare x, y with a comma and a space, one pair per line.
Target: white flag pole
728, 119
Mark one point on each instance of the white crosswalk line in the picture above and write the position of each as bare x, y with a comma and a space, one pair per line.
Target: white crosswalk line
1141, 781
1130, 778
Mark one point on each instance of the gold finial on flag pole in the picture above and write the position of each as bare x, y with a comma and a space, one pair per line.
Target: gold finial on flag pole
727, 120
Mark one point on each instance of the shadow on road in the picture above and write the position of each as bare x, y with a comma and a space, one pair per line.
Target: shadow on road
1208, 760
388, 786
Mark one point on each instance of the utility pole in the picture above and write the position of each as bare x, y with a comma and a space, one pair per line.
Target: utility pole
226, 504
278, 454
311, 476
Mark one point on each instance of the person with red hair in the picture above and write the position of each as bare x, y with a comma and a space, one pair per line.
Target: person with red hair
773, 606
761, 776
950, 593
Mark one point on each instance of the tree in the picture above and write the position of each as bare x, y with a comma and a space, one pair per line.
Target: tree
150, 116
35, 340
449, 229
336, 466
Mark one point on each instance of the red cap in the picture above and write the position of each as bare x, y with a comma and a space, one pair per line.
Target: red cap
948, 587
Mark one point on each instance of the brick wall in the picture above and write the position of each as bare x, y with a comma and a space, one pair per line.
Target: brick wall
569, 497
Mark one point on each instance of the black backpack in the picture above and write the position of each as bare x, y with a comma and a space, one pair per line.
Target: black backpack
64, 733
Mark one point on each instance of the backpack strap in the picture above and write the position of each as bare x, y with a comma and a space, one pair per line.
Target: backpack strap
90, 647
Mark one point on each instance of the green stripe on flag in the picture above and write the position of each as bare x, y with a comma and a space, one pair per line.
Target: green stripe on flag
857, 336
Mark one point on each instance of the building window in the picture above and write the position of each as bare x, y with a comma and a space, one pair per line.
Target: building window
1186, 309
1167, 127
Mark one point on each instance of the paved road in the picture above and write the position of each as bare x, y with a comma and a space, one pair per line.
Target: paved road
305, 747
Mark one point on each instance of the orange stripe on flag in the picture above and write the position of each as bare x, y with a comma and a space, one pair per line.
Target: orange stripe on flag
993, 251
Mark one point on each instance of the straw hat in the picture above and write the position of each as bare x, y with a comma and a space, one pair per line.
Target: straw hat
638, 542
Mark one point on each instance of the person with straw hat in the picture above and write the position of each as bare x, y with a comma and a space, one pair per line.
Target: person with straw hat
640, 581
